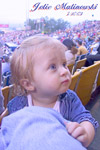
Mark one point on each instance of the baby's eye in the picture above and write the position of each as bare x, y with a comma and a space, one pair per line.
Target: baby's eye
53, 67
65, 64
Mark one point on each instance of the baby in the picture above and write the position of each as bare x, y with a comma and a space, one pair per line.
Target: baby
42, 78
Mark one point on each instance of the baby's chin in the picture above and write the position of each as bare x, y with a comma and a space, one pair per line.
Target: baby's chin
64, 90
61, 92
54, 92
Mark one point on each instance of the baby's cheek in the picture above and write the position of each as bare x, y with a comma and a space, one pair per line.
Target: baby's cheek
53, 84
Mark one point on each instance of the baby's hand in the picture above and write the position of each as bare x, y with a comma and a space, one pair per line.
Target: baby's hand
78, 132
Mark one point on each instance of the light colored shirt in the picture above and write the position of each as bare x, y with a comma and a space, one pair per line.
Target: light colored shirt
94, 48
5, 67
56, 106
70, 58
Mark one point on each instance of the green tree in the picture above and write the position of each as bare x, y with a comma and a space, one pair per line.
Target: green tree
32, 24
47, 25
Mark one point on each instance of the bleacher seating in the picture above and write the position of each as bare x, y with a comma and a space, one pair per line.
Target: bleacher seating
98, 80
5, 92
70, 67
8, 93
78, 64
5, 113
86, 82
75, 80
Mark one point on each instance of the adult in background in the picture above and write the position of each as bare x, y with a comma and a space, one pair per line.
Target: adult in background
71, 51
81, 50
6, 65
95, 46
95, 55
91, 58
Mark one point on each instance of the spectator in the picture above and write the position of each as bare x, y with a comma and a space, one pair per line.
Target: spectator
91, 58
95, 46
71, 51
81, 50
5, 65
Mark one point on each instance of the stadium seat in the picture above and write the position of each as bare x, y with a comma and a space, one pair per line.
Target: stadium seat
86, 82
5, 92
8, 93
5, 113
98, 80
70, 67
75, 80
11, 92
78, 65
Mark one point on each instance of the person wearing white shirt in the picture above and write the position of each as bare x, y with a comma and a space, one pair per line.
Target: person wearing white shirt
6, 65
95, 46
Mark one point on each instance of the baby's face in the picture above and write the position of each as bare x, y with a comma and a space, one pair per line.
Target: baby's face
51, 75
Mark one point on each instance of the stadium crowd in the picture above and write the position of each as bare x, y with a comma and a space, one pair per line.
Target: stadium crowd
52, 96
85, 35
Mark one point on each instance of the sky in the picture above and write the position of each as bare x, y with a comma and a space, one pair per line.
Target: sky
16, 11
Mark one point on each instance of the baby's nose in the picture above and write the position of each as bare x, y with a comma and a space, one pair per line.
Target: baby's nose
64, 71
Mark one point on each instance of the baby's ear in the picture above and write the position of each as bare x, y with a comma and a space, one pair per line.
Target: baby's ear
26, 84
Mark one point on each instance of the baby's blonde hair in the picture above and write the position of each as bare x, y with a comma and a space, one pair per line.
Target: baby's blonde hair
22, 61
